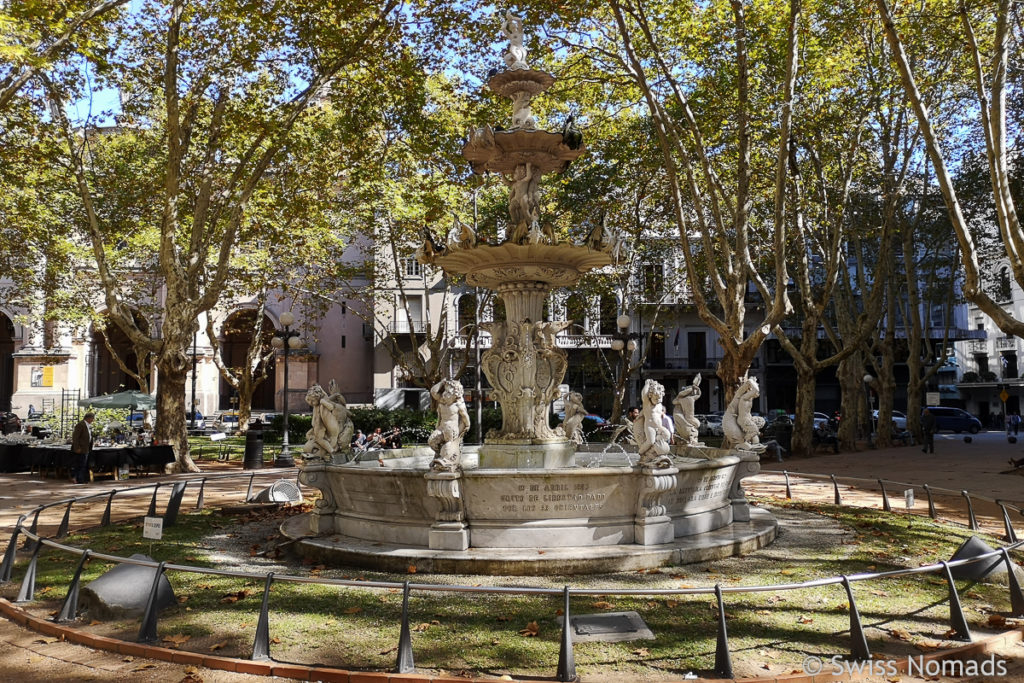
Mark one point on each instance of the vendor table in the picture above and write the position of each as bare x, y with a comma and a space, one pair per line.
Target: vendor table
22, 457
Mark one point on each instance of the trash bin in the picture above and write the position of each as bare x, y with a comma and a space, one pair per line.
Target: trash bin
253, 459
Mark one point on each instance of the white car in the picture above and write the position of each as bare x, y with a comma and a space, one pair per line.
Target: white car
899, 420
711, 425
820, 420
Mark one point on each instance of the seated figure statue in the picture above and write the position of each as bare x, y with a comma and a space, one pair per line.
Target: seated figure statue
650, 433
742, 430
452, 425
332, 429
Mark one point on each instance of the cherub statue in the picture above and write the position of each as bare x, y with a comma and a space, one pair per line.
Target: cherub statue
512, 28
481, 138
574, 414
461, 236
686, 423
452, 424
742, 430
332, 429
651, 435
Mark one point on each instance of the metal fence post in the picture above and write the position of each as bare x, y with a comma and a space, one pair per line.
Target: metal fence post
248, 493
835, 486
885, 497
147, 631
404, 662
723, 661
202, 489
566, 658
261, 643
32, 530
957, 620
174, 503
859, 643
1016, 597
789, 491
62, 530
12, 549
1011, 536
69, 608
106, 513
28, 584
931, 501
152, 503
970, 511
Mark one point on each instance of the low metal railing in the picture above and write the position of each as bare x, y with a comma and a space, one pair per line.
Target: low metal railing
566, 668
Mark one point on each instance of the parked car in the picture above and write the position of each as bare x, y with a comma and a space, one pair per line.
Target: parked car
954, 419
899, 420
9, 423
138, 419
820, 420
711, 425
227, 422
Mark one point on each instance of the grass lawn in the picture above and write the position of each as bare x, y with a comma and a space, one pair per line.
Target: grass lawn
495, 634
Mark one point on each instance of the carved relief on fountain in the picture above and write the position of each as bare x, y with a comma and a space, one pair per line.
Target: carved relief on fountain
525, 367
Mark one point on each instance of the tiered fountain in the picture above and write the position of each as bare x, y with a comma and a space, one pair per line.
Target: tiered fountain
527, 500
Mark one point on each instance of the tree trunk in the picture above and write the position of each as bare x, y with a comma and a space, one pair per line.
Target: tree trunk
851, 384
803, 425
171, 427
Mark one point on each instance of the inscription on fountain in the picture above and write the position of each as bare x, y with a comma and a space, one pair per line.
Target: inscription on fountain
553, 498
708, 487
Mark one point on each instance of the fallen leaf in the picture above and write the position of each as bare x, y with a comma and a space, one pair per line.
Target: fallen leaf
686, 585
504, 618
997, 621
353, 610
804, 620
143, 667
899, 634
94, 622
275, 640
44, 589
642, 652
421, 627
435, 622
387, 652
129, 658
788, 572
182, 599
411, 569
203, 586
559, 612
531, 630
177, 639
46, 641
218, 646
601, 604
235, 597
495, 642
763, 612
671, 604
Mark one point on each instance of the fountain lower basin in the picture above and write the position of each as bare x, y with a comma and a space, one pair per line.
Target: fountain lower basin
603, 514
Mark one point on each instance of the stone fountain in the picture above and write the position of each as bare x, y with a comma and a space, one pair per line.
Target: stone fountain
530, 499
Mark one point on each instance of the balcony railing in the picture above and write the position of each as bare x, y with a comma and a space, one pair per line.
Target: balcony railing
563, 341
407, 326
977, 346
1006, 344
682, 363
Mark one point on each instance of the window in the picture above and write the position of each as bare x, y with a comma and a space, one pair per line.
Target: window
938, 315
413, 268
1003, 285
344, 308
342, 341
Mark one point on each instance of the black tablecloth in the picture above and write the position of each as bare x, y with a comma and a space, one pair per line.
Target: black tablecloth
20, 457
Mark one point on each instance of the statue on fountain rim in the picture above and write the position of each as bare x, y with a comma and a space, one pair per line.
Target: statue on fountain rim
686, 423
742, 430
651, 435
332, 428
452, 425
574, 414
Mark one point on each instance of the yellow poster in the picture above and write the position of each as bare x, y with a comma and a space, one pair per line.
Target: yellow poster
47, 375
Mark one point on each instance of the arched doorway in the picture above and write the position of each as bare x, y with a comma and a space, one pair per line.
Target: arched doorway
108, 375
6, 361
235, 338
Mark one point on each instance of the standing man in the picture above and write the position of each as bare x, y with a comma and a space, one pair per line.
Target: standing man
81, 445
928, 427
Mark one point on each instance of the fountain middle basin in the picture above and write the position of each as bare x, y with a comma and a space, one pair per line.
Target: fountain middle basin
603, 514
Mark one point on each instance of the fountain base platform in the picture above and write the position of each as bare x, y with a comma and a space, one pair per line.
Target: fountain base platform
737, 538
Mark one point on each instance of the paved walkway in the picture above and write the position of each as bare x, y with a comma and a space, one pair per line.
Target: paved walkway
29, 656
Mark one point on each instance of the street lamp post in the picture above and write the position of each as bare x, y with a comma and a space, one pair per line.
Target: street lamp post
195, 341
624, 341
285, 340
868, 379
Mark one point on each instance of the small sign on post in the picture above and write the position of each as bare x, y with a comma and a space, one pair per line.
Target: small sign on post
932, 398
153, 528
908, 496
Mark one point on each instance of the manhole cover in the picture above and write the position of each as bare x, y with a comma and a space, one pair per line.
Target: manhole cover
611, 627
